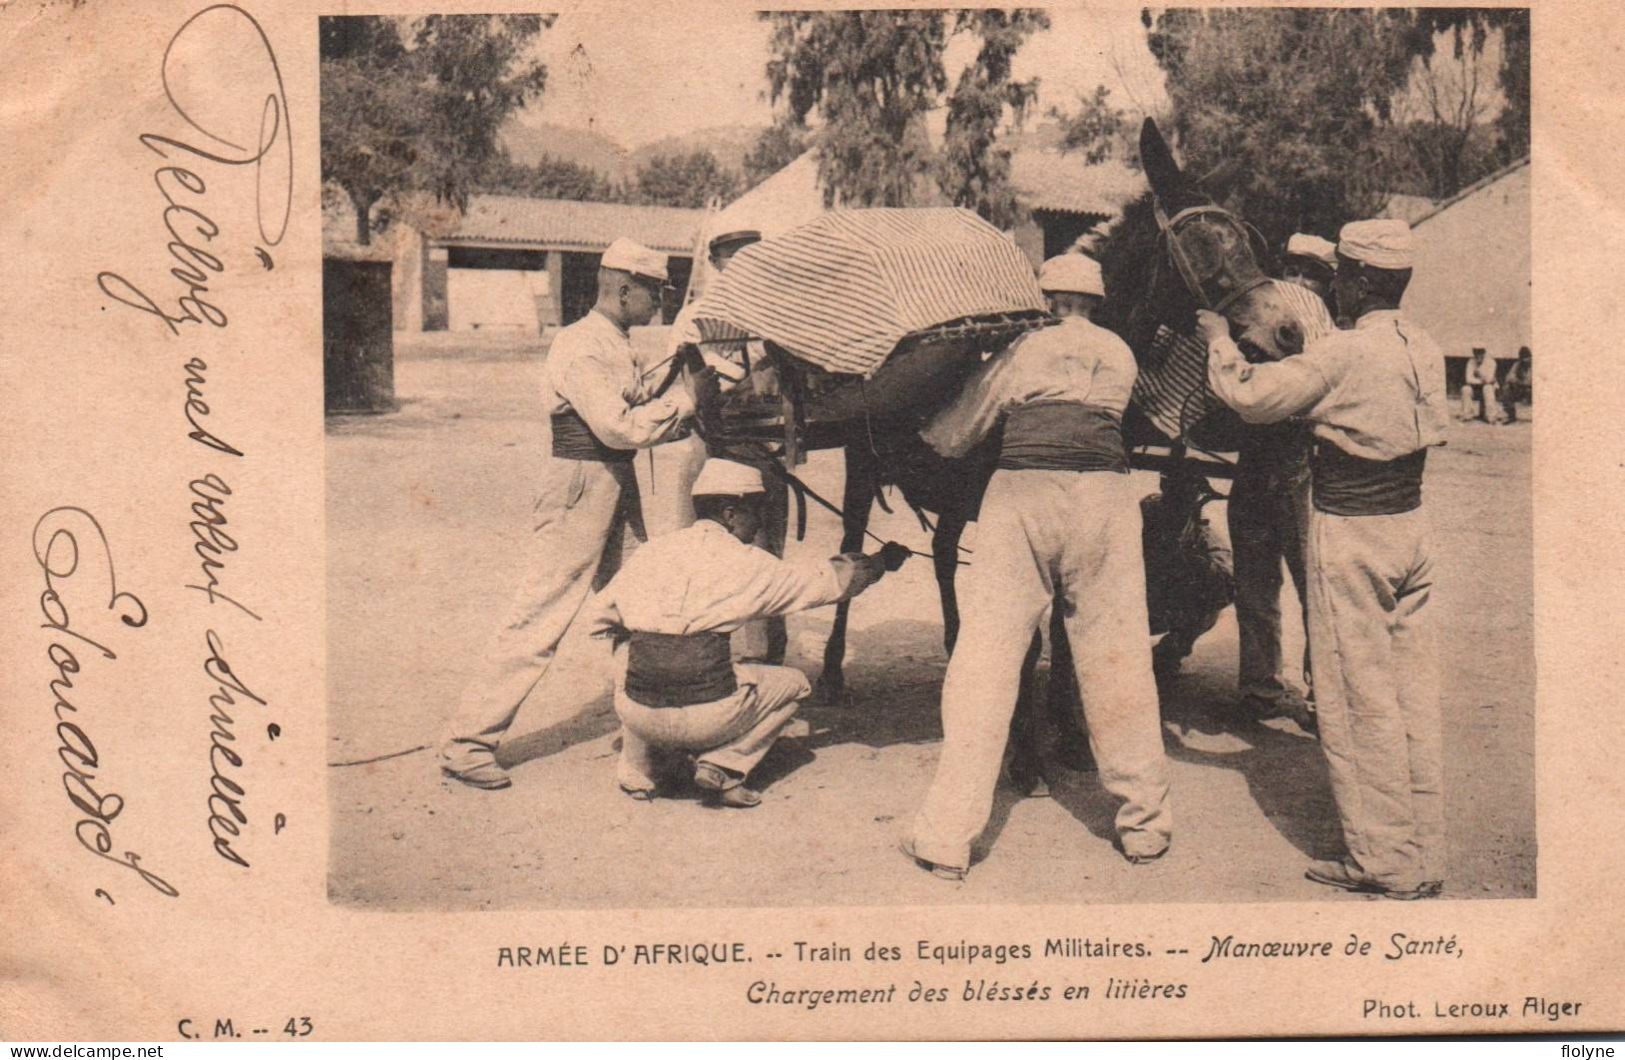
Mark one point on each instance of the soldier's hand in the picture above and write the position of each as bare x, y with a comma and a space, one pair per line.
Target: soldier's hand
1211, 326
893, 555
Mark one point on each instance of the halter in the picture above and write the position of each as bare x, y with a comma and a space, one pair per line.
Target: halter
1171, 228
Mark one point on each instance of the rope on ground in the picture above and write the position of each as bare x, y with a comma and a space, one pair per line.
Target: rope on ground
380, 758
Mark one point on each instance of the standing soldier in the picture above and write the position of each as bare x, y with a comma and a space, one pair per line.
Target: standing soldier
1059, 522
1268, 513
601, 412
1376, 397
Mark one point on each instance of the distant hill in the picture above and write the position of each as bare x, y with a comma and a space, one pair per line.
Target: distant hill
729, 143
528, 143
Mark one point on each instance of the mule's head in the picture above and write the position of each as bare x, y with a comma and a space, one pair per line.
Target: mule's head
1177, 252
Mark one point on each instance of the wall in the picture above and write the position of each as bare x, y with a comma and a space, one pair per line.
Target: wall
1471, 281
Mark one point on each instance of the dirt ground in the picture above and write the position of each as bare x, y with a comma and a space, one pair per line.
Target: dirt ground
427, 511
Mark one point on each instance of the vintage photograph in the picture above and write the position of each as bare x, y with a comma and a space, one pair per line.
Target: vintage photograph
902, 458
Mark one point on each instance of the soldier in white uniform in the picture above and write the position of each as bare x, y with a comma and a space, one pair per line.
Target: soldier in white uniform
673, 608
1060, 521
1376, 397
601, 411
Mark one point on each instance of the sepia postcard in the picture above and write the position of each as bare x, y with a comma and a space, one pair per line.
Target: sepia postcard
694, 521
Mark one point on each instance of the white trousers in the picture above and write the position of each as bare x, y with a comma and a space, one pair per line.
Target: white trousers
735, 733
1377, 691
1043, 535
582, 510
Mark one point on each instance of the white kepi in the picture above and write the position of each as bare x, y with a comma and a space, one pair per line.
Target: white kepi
727, 478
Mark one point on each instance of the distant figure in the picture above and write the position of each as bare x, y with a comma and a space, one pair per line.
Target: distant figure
1479, 390
673, 607
1519, 385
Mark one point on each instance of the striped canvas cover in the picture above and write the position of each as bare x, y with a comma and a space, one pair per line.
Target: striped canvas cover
840, 292
1172, 389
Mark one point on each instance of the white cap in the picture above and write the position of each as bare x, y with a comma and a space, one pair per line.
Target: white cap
1302, 245
727, 478
1384, 243
635, 258
1077, 273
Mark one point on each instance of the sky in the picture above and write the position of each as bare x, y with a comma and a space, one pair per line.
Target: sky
641, 74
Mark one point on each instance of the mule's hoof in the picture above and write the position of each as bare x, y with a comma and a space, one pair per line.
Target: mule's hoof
832, 693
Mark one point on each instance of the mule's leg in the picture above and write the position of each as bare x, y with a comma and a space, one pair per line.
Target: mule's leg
775, 532
1071, 746
945, 559
861, 476
1025, 762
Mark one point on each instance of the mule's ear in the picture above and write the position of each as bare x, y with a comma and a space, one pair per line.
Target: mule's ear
1167, 182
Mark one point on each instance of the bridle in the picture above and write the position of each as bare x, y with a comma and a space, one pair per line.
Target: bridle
1172, 229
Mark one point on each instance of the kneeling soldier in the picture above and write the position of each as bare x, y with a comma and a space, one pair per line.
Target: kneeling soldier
673, 606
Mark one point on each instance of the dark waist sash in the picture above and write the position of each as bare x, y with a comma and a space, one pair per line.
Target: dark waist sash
679, 670
574, 440
1351, 485
1063, 436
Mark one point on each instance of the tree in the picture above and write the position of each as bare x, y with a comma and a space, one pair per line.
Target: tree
1281, 112
871, 76
416, 105
1097, 130
778, 145
1469, 31
689, 179
548, 178
974, 171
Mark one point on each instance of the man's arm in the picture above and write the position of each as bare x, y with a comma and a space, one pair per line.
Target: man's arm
592, 385
1261, 393
601, 616
770, 587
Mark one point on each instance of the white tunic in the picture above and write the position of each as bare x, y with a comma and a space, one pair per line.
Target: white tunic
591, 368
1074, 360
702, 579
1374, 391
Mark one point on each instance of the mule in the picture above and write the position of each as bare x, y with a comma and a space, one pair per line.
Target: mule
1173, 251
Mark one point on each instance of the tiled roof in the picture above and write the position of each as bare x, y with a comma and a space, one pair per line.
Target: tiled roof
1046, 179
569, 225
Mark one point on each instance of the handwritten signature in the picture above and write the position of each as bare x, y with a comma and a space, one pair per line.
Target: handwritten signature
57, 550
238, 53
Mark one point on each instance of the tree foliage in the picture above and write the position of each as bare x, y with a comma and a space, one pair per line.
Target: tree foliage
1278, 111
547, 178
692, 178
416, 105
871, 76
974, 170
1302, 118
1097, 129
778, 145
